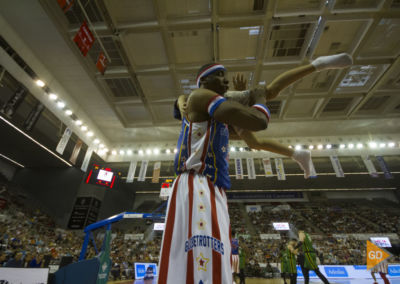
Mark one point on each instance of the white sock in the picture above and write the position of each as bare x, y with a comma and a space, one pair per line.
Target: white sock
303, 158
336, 61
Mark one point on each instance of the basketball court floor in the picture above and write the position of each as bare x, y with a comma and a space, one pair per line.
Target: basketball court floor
277, 281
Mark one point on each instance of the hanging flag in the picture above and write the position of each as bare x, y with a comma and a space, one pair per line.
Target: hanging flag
143, 170
65, 4
102, 63
251, 172
384, 167
280, 171
33, 116
313, 173
64, 140
337, 167
84, 39
238, 168
75, 152
11, 106
370, 166
267, 167
156, 172
86, 160
131, 172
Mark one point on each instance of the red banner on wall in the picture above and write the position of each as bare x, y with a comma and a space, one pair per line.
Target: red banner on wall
101, 63
65, 4
84, 39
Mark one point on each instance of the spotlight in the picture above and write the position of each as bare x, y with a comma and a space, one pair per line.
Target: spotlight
372, 145
113, 152
241, 149
78, 122
382, 145
106, 150
60, 104
141, 152
156, 151
90, 134
290, 147
328, 146
311, 147
350, 146
129, 152
297, 147
359, 146
168, 151
101, 146
68, 112
342, 146
320, 147
83, 128
96, 141
121, 152
175, 150
148, 152
233, 149
391, 144
52, 96
40, 83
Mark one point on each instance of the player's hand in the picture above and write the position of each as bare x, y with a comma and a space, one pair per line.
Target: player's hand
239, 82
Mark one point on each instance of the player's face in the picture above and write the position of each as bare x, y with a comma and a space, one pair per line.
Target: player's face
217, 82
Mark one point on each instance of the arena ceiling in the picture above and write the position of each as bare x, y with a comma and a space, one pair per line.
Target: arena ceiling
155, 47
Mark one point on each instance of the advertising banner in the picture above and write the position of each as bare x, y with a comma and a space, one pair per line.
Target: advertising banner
156, 172
238, 168
251, 173
75, 152
267, 167
337, 167
370, 166
145, 270
131, 172
84, 39
23, 275
280, 171
143, 170
64, 141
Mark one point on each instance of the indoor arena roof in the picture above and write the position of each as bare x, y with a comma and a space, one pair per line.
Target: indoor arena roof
155, 48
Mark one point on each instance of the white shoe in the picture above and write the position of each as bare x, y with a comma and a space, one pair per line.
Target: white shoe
303, 158
337, 61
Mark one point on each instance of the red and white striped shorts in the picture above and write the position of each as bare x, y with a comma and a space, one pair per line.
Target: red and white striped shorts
196, 246
235, 263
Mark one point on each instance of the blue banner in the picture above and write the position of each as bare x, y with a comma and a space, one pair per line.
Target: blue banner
394, 270
300, 273
384, 167
336, 271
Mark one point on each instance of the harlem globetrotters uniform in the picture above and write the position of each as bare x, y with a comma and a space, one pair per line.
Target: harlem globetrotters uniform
310, 258
196, 244
235, 255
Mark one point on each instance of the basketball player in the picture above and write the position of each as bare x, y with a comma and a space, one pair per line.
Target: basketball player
235, 255
284, 263
196, 246
289, 261
307, 258
302, 157
382, 269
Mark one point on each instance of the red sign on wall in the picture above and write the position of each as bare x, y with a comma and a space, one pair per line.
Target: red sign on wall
65, 4
84, 39
101, 63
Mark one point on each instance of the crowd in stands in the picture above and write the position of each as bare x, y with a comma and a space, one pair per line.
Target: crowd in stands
29, 238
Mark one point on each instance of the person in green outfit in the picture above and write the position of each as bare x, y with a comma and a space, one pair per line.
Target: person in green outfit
288, 262
307, 258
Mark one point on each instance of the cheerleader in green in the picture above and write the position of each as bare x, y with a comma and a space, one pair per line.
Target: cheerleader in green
307, 258
288, 262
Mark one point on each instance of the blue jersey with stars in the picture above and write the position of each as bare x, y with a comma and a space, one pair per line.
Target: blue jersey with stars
235, 246
203, 147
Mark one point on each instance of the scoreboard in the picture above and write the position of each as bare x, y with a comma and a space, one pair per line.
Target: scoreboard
103, 177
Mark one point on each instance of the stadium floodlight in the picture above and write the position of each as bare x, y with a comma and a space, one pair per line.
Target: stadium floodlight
90, 134
382, 145
372, 145
328, 146
241, 149
84, 128
350, 146
391, 144
320, 147
156, 151
168, 151
96, 141
40, 83
140, 152
121, 152
53, 96
342, 146
298, 147
311, 147
113, 152
129, 152
359, 146
60, 104
175, 150
78, 122
68, 112
233, 149
101, 146
148, 151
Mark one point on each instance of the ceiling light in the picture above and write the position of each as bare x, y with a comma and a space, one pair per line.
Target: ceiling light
391, 144
320, 147
175, 150
156, 151
328, 146
372, 145
12, 161
52, 96
311, 147
129, 152
68, 112
121, 152
241, 149
359, 146
78, 122
382, 145
60, 104
350, 146
141, 152
40, 83
106, 150
148, 151
101, 146
96, 141
168, 151
297, 147
342, 146
83, 128
90, 134
113, 152
233, 149
290, 147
